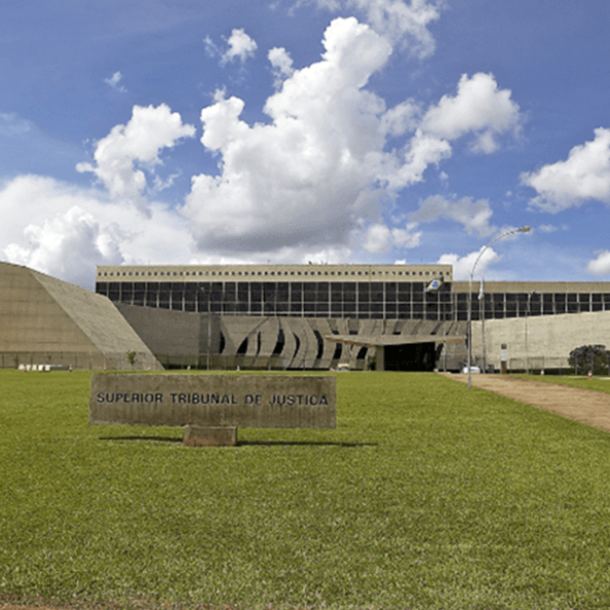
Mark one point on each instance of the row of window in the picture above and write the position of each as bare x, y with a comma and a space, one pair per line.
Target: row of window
513, 305
320, 299
309, 273
346, 299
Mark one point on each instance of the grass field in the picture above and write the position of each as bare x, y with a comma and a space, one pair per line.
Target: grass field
426, 496
599, 384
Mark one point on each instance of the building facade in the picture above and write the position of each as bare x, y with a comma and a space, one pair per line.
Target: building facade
322, 316
288, 316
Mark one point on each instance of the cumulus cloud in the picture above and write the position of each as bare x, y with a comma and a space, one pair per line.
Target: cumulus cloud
474, 215
67, 246
396, 20
241, 47
601, 265
462, 266
114, 82
584, 176
149, 131
281, 64
479, 107
313, 183
320, 169
379, 238
81, 228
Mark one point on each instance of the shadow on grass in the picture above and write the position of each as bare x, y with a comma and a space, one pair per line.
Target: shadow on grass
166, 439
302, 443
162, 439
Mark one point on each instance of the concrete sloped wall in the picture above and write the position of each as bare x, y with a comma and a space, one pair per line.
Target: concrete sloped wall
46, 321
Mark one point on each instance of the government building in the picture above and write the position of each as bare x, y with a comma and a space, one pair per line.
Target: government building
295, 317
390, 317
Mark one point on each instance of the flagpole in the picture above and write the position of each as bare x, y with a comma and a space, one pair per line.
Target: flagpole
525, 229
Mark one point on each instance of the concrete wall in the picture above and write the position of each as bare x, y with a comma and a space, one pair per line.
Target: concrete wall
182, 339
46, 321
541, 341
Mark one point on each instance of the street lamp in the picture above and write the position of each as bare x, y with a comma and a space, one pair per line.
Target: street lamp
525, 229
527, 313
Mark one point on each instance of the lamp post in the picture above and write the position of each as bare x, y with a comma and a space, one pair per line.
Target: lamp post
527, 313
525, 229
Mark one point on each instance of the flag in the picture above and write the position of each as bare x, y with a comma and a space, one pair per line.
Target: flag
435, 284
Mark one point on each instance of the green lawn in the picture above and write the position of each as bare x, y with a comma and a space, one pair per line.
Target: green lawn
426, 496
599, 384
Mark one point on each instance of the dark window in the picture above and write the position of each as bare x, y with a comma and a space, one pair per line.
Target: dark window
309, 292
282, 292
256, 291
216, 292
230, 292
269, 292
242, 292
113, 291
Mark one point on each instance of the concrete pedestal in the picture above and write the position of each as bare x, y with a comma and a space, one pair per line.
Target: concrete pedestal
199, 436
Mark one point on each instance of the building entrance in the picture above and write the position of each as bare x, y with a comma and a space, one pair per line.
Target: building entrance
411, 357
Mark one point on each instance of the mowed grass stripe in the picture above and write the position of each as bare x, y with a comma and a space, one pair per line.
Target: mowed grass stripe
425, 496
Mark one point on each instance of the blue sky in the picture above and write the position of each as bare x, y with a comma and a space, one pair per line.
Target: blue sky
285, 131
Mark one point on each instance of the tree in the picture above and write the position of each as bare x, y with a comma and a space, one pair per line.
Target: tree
131, 358
594, 358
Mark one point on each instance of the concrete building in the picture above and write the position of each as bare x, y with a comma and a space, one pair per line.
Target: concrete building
321, 316
288, 316
44, 321
295, 317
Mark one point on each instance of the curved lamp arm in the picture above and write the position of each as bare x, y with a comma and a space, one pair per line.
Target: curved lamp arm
525, 229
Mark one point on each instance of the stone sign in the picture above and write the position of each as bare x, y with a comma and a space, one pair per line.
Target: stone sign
211, 407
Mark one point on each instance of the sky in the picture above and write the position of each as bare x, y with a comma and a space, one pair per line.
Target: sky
296, 131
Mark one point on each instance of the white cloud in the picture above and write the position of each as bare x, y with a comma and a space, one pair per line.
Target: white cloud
548, 228
407, 238
13, 125
281, 63
81, 228
395, 20
378, 239
319, 171
585, 175
149, 131
601, 265
114, 81
479, 107
241, 47
462, 267
305, 178
310, 184
474, 215
67, 246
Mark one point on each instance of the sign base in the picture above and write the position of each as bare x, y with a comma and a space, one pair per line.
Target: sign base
206, 436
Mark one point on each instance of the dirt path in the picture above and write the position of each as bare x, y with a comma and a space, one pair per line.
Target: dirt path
586, 406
